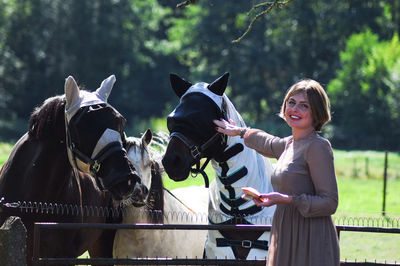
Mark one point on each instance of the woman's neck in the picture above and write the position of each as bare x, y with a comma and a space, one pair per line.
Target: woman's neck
302, 133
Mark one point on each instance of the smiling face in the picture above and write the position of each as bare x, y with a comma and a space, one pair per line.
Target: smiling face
305, 103
298, 112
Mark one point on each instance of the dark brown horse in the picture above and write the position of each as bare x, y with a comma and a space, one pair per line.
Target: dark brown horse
72, 155
193, 140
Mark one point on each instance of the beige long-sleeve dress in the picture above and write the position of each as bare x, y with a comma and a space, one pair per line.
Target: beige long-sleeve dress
303, 233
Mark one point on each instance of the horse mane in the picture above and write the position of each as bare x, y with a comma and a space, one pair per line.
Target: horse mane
156, 195
47, 120
156, 150
231, 111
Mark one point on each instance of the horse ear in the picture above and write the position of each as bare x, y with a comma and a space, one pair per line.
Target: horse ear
219, 85
147, 137
179, 85
71, 91
106, 87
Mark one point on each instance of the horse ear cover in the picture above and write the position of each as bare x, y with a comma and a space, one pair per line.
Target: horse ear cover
179, 85
219, 85
106, 87
71, 91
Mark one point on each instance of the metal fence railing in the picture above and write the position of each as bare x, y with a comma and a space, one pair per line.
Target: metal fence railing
37, 260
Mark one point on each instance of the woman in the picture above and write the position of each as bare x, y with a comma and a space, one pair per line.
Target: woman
304, 180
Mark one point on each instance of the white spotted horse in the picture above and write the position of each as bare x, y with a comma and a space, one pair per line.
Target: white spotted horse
73, 155
193, 138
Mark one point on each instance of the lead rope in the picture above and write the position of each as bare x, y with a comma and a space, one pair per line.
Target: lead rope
197, 170
169, 192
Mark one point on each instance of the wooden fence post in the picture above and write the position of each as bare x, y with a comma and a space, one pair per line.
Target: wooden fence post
384, 184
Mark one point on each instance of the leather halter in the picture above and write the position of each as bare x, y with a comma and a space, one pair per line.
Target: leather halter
85, 163
197, 152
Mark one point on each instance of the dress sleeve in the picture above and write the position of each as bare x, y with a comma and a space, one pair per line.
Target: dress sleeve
320, 162
264, 143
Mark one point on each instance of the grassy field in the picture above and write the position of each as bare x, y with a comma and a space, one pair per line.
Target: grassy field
360, 182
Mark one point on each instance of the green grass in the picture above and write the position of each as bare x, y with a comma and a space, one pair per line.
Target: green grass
362, 199
357, 196
366, 164
360, 183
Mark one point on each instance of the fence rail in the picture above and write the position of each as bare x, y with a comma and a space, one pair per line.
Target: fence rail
37, 260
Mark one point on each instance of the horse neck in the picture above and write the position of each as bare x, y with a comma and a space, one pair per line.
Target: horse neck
258, 170
246, 158
52, 169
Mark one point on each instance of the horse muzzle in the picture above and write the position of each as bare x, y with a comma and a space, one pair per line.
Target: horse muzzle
123, 186
139, 196
179, 158
176, 166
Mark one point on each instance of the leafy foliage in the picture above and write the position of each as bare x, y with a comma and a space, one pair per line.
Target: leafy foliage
364, 92
45, 41
142, 41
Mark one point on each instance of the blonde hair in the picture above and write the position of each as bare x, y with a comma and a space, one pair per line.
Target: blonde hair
317, 98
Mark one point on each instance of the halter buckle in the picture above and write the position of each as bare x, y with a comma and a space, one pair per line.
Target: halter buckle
96, 166
246, 243
195, 152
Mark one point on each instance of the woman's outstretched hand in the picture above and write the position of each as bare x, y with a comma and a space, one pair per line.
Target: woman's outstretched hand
227, 128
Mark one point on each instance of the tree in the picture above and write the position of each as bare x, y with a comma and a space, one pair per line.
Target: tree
42, 42
302, 40
364, 93
142, 41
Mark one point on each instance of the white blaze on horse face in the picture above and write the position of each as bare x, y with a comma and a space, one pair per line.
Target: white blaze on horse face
142, 162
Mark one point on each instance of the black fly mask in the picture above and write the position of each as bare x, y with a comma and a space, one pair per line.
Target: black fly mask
95, 138
192, 124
